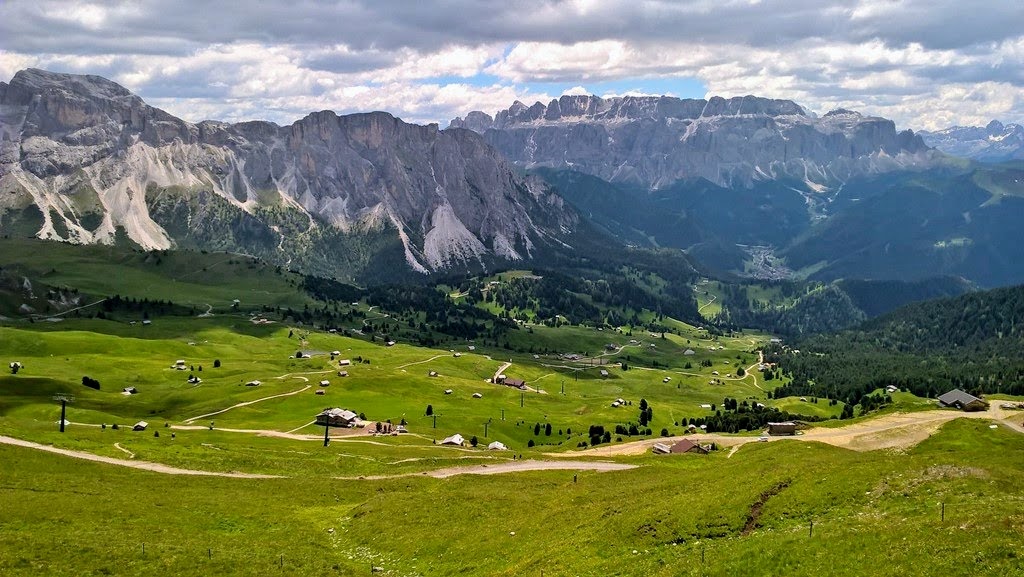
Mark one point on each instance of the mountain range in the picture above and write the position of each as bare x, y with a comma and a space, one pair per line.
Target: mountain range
84, 160
764, 188
749, 186
652, 142
995, 142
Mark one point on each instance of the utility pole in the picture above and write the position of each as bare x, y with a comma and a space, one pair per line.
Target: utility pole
327, 435
485, 428
522, 401
64, 400
563, 386
503, 414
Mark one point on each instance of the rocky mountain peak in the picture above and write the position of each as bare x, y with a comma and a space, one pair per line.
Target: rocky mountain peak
652, 141
95, 161
994, 142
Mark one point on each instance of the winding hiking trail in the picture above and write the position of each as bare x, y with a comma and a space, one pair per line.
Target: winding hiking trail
144, 465
500, 370
433, 358
257, 432
507, 467
247, 403
701, 307
130, 454
444, 473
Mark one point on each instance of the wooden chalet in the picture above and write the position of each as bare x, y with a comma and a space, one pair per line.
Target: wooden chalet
787, 428
958, 399
336, 418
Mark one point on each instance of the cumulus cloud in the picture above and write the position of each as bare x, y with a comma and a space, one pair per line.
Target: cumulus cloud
916, 61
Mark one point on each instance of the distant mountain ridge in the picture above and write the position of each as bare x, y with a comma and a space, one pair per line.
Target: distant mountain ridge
82, 159
995, 142
652, 142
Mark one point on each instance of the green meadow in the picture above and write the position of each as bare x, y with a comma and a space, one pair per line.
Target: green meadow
385, 383
367, 504
951, 505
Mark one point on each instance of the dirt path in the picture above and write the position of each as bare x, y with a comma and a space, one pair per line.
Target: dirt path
294, 375
433, 358
144, 465
500, 370
313, 422
508, 467
895, 431
644, 446
701, 307
898, 430
257, 432
130, 454
62, 313
247, 403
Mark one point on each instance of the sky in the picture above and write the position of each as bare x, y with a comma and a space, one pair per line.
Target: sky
927, 64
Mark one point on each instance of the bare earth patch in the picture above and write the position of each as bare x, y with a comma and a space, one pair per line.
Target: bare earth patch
896, 431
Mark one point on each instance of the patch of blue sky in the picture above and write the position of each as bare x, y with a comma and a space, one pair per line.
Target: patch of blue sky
678, 86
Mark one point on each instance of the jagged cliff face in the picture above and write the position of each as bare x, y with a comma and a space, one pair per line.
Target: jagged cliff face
85, 161
655, 141
996, 142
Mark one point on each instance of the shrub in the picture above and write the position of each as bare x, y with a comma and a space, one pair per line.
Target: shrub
216, 363
473, 440
664, 432
531, 443
91, 383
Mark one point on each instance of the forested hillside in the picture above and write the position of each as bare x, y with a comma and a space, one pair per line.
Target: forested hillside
795, 308
974, 342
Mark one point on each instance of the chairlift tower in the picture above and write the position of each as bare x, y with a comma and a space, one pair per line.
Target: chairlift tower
64, 400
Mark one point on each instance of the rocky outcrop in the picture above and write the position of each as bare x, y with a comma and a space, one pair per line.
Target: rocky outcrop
654, 141
97, 161
996, 142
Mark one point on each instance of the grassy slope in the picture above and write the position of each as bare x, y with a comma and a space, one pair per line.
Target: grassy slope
869, 510
393, 385
188, 278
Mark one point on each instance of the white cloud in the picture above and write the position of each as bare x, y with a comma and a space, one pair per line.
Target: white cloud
917, 61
